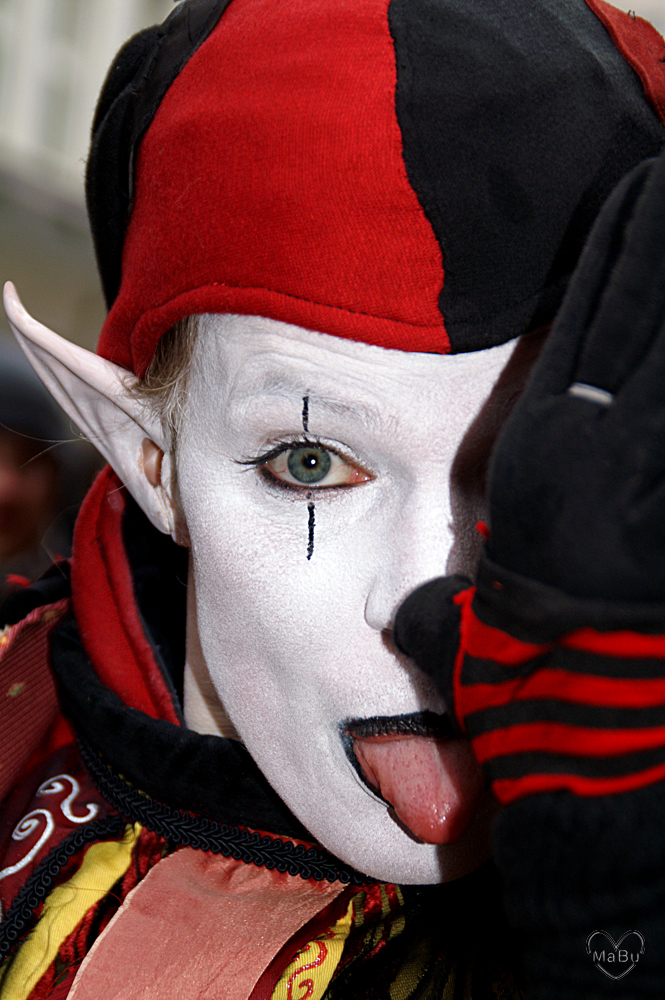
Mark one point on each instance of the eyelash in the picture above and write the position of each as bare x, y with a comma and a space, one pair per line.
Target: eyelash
300, 442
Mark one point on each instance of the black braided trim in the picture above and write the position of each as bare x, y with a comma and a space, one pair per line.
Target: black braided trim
20, 914
207, 835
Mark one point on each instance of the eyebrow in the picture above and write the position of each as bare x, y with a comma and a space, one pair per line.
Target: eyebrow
295, 389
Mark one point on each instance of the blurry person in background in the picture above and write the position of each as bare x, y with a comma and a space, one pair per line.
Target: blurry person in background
30, 475
44, 475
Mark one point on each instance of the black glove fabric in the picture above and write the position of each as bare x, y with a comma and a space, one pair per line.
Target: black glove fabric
554, 663
560, 676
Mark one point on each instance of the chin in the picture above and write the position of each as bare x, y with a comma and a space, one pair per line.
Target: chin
378, 847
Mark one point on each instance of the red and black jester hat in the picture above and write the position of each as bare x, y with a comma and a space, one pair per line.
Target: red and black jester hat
419, 174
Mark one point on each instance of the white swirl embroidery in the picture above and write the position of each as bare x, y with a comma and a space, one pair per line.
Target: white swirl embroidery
54, 785
25, 829
32, 821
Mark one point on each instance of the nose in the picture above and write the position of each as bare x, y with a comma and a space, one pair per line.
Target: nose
416, 551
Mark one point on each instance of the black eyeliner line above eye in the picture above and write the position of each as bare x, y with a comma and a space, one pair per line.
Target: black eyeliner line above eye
281, 448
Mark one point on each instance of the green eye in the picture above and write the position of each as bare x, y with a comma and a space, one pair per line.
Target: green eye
308, 465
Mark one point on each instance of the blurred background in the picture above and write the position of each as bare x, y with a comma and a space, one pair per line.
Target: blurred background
54, 55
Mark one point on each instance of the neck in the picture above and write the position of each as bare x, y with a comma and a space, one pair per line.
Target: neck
203, 709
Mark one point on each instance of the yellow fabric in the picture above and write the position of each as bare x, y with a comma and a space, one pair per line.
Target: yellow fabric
313, 967
64, 909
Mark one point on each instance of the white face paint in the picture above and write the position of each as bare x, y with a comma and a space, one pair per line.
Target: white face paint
297, 583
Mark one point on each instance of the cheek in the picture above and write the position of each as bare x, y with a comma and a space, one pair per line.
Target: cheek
259, 596
280, 632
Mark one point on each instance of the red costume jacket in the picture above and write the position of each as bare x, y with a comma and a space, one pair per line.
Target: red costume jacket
138, 854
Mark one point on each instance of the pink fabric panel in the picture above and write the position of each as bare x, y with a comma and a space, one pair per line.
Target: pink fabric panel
198, 927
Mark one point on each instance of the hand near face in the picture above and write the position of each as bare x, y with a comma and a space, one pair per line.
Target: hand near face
560, 682
578, 478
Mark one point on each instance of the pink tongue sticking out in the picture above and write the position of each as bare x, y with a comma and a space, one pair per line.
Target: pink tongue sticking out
433, 785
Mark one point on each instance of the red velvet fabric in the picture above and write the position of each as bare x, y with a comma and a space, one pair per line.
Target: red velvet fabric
640, 45
257, 196
103, 599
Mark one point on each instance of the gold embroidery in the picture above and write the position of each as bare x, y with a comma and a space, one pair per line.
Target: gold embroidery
310, 972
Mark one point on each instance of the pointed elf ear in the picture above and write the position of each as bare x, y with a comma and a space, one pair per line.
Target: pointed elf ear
97, 396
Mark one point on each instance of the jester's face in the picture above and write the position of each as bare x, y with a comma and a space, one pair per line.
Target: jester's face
321, 481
